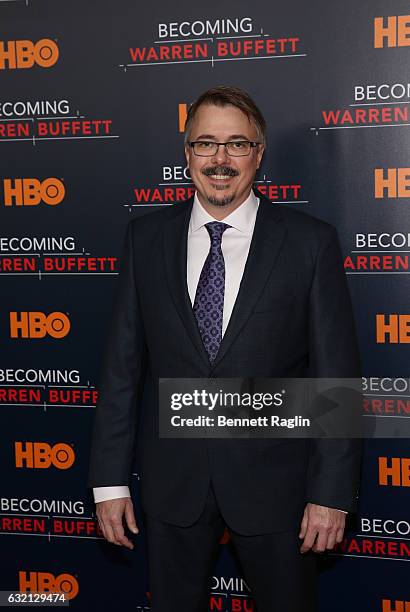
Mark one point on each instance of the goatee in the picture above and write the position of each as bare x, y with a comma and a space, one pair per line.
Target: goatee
220, 201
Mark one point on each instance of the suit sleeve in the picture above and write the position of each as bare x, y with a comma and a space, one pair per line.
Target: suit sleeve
334, 464
115, 420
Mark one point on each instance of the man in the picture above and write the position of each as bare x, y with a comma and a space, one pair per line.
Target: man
279, 307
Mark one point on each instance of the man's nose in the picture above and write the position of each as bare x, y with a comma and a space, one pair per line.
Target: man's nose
221, 155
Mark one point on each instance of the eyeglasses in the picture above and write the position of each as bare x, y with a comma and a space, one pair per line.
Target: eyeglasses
234, 148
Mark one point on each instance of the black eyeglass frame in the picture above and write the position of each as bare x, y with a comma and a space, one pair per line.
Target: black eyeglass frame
253, 144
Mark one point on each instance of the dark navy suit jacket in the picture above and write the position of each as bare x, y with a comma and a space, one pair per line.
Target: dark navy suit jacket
292, 318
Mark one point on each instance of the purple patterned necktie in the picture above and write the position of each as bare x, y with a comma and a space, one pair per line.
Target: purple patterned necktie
209, 297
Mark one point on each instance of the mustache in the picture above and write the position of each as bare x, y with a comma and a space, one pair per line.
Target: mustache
223, 170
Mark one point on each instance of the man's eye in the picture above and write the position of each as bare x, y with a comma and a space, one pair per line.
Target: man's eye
204, 145
239, 145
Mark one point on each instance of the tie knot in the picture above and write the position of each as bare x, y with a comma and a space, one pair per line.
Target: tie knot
216, 229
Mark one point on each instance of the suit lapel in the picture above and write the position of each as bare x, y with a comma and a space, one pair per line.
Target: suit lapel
175, 255
267, 240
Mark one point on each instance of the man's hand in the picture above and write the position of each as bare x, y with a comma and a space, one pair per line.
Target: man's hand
321, 528
110, 514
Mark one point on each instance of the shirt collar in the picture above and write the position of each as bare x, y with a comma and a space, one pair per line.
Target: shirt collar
242, 218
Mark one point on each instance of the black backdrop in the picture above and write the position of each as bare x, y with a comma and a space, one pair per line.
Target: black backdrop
93, 104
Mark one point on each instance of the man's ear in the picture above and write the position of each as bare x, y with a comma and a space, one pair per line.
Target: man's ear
186, 150
261, 150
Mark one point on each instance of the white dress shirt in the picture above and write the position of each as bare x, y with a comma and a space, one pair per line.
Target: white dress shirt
236, 241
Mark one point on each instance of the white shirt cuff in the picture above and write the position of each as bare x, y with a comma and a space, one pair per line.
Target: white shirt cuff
106, 493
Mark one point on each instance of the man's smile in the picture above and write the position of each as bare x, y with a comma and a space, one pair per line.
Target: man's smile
222, 175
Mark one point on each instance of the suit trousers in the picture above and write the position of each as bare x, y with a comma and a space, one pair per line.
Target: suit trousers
181, 562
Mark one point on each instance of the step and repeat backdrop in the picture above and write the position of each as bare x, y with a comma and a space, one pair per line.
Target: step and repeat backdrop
93, 99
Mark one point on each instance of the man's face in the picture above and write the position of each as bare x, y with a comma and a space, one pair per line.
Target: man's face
223, 124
